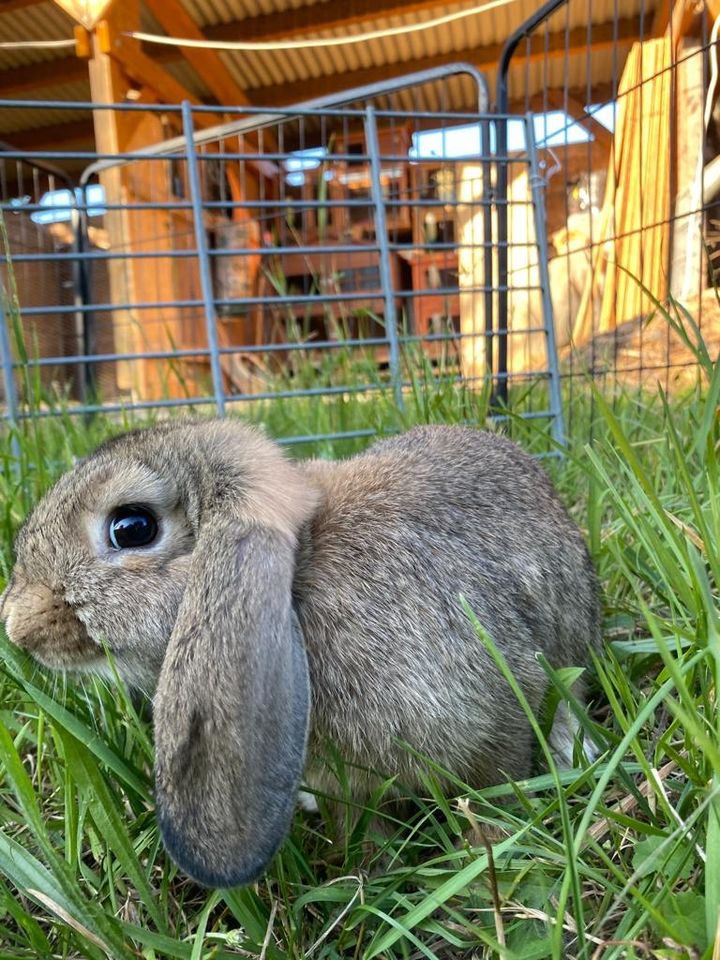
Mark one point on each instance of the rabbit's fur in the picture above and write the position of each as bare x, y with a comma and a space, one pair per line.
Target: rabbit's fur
287, 605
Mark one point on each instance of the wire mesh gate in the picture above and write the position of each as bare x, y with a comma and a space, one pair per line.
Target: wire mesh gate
342, 246
627, 114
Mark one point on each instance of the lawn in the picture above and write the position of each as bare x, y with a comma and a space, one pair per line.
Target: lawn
618, 859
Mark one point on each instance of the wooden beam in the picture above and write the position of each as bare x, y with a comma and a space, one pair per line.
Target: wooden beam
676, 17
330, 15
86, 12
141, 68
147, 72
40, 76
117, 132
661, 18
552, 46
174, 18
687, 137
26, 80
149, 75
684, 13
561, 100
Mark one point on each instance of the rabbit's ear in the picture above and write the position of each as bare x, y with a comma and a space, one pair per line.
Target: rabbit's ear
232, 706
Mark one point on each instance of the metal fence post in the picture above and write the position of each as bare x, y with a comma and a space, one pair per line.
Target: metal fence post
203, 258
6, 362
537, 187
489, 249
501, 107
82, 286
373, 147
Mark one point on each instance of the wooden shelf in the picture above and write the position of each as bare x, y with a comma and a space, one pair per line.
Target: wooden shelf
433, 270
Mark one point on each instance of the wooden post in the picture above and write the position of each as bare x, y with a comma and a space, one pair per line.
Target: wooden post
526, 351
687, 266
109, 85
174, 18
632, 254
471, 271
116, 67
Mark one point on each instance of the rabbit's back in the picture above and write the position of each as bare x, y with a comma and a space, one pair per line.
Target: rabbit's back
402, 531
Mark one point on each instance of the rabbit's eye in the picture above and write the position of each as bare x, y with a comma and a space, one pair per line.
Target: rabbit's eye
132, 526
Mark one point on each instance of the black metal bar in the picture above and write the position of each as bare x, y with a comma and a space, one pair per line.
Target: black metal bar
84, 318
501, 107
487, 241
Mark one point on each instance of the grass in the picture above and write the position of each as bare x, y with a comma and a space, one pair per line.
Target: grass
618, 859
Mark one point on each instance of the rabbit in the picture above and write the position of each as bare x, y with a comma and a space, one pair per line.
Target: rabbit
272, 606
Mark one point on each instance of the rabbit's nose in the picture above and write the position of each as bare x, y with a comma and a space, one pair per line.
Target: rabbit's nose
24, 608
3, 598
40, 621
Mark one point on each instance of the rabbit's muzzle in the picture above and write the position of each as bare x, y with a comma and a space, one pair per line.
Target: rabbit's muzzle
41, 622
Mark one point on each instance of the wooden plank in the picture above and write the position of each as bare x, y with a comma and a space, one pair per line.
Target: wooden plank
687, 268
600, 286
556, 45
475, 347
665, 188
632, 249
631, 202
562, 100
174, 18
624, 200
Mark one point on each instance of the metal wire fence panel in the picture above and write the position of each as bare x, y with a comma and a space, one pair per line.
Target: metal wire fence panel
625, 101
339, 247
362, 244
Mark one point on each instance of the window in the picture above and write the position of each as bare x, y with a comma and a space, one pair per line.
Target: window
301, 160
59, 204
552, 129
604, 113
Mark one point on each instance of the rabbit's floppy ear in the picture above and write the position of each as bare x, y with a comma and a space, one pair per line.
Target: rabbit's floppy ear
232, 706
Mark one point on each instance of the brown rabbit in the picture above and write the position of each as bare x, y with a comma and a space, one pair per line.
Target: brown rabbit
273, 606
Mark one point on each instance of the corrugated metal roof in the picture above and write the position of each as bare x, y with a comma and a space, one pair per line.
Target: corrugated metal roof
580, 72
46, 21
490, 26
20, 119
285, 70
253, 70
208, 13
184, 74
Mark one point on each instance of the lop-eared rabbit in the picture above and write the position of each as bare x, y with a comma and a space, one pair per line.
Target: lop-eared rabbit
272, 607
